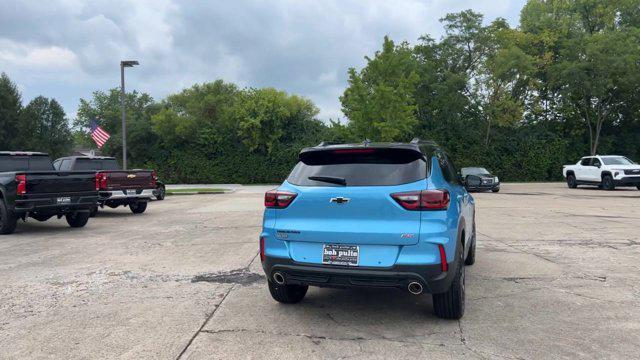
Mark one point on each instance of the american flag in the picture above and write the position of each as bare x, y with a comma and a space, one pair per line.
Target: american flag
98, 134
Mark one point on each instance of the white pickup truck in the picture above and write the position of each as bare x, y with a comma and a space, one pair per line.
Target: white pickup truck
605, 171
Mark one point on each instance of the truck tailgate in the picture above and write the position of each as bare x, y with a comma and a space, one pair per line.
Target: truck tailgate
60, 183
129, 179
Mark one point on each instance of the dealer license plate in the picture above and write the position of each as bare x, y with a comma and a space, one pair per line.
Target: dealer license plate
131, 192
337, 254
63, 200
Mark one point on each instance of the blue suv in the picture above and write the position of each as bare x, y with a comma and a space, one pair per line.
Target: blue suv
370, 215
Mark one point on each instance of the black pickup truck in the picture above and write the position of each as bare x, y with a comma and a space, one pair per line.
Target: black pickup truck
132, 188
30, 187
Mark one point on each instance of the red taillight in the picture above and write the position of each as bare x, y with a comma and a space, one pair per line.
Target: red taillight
262, 256
101, 181
423, 200
278, 199
154, 178
443, 258
21, 180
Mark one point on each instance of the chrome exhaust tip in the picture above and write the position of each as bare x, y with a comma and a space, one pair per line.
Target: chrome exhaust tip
278, 278
415, 288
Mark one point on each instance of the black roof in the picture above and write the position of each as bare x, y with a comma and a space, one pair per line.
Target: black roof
27, 153
88, 157
423, 146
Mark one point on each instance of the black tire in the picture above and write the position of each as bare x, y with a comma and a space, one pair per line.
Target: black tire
160, 192
607, 183
450, 305
8, 221
495, 190
77, 219
571, 181
138, 207
638, 187
287, 294
93, 212
471, 255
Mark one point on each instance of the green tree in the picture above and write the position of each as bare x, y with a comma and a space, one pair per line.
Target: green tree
11, 135
266, 116
48, 127
380, 101
105, 107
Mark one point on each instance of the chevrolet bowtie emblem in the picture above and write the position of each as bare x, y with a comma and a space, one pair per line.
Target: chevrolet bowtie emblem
131, 176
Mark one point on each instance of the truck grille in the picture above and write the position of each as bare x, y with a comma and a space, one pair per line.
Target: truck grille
632, 172
487, 181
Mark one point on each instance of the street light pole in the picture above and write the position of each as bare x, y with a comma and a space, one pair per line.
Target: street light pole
124, 64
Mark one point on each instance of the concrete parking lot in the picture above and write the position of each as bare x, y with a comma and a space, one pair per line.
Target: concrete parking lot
557, 276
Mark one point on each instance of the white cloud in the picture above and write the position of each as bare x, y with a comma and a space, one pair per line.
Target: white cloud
68, 48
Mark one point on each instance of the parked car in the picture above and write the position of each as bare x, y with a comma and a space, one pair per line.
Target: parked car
30, 187
371, 215
479, 179
132, 188
605, 171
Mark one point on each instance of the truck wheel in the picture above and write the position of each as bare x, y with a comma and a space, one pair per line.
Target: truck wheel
607, 183
93, 212
138, 207
638, 187
571, 181
450, 305
495, 190
8, 221
287, 294
77, 219
160, 192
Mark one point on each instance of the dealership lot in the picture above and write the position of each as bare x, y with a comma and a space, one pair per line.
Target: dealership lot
557, 275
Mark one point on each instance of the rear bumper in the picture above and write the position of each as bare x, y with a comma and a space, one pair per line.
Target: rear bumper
55, 204
430, 277
122, 196
484, 187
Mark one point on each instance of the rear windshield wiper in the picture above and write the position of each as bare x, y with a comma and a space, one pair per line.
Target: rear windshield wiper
329, 179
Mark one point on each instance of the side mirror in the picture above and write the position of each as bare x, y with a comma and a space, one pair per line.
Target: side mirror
597, 165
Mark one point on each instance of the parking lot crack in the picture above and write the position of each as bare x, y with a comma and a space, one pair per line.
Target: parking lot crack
200, 329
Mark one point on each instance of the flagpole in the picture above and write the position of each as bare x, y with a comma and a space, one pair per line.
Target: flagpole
124, 123
124, 64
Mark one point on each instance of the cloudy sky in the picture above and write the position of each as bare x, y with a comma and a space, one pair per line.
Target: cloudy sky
66, 49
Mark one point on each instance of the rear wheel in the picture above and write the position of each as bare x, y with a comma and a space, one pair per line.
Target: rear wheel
77, 219
138, 207
160, 192
607, 183
8, 221
495, 190
450, 305
571, 181
638, 187
93, 212
287, 294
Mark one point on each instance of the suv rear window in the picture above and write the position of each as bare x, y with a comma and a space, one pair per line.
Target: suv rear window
359, 167
25, 163
96, 164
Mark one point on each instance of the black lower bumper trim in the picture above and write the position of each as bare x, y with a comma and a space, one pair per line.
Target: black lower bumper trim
430, 277
628, 181
47, 205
